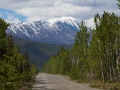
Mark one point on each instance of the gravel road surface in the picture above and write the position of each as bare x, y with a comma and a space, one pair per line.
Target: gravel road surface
57, 82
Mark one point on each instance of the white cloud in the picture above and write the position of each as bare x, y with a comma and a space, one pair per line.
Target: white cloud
90, 23
36, 18
57, 10
19, 4
12, 19
45, 9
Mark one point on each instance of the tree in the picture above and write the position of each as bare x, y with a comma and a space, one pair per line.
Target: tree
15, 69
10, 45
118, 3
3, 27
95, 58
104, 39
82, 40
80, 48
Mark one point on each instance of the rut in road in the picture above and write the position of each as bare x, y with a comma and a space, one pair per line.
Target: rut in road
57, 82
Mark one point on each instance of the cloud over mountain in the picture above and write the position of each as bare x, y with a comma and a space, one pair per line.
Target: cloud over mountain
34, 10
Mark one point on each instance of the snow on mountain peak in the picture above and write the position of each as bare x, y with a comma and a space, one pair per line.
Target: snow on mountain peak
55, 31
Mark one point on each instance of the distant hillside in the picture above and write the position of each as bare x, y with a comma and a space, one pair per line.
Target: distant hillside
38, 52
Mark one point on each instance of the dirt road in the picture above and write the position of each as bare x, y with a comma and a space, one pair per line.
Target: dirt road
56, 82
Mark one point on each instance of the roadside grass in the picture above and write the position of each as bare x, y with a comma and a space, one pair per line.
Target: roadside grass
96, 83
106, 86
99, 84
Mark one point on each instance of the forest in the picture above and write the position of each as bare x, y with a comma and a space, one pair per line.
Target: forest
16, 71
95, 55
38, 52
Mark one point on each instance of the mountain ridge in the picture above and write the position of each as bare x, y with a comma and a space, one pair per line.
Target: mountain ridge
54, 31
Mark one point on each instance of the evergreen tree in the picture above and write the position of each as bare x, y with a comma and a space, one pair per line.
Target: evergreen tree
3, 46
16, 69
10, 45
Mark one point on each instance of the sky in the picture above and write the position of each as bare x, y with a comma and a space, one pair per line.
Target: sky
14, 11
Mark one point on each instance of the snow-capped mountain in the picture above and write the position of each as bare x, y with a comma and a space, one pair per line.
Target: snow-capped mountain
54, 31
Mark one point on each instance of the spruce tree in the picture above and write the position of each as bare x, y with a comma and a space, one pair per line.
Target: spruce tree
3, 46
10, 45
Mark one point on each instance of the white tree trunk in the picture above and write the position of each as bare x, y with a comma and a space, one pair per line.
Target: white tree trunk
101, 63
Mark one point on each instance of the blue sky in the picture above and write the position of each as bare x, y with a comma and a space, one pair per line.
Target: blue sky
11, 16
14, 11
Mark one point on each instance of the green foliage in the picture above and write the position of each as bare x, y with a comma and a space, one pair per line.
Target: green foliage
74, 73
3, 27
107, 45
95, 55
38, 52
59, 63
118, 3
16, 69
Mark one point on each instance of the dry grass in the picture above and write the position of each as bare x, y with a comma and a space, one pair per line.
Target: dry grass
106, 86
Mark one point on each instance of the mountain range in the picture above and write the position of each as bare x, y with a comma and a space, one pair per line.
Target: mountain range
53, 31
43, 39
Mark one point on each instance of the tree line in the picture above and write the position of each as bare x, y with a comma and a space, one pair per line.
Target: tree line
16, 70
95, 54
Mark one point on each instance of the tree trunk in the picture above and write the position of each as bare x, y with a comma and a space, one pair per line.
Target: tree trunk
101, 63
